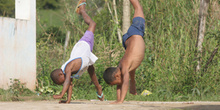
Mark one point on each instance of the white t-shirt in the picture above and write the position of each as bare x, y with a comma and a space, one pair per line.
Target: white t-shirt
81, 50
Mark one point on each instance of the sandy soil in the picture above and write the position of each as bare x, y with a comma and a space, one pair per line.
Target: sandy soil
97, 105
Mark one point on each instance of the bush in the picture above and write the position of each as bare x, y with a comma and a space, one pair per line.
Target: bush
48, 4
7, 8
168, 69
51, 34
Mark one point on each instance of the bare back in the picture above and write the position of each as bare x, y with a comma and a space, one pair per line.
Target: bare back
134, 53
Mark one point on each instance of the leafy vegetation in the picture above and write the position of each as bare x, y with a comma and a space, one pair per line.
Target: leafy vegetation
7, 8
168, 69
48, 4
18, 92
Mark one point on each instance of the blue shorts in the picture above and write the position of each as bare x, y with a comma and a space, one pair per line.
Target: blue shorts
137, 28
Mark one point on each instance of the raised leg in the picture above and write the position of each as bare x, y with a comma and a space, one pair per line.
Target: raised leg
87, 18
138, 11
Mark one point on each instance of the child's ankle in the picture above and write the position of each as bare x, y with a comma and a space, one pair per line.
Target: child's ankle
99, 88
81, 11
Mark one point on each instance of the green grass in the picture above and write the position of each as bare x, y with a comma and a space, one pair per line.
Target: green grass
18, 92
48, 18
168, 69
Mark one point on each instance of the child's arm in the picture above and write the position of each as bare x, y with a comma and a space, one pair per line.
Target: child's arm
122, 89
66, 85
118, 95
69, 94
125, 85
118, 92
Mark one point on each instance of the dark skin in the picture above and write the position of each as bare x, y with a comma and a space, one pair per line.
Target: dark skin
73, 67
131, 60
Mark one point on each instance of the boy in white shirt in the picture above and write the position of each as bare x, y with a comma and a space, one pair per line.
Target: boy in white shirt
81, 59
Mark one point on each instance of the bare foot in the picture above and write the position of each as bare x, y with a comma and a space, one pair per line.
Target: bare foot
81, 7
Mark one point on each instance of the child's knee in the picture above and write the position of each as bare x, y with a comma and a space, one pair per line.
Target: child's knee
93, 23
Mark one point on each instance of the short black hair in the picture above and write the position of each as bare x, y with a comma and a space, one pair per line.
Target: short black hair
109, 74
55, 75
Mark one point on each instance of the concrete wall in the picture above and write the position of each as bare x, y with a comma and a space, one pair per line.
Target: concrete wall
18, 45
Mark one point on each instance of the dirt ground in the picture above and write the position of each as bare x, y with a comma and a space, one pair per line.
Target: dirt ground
98, 105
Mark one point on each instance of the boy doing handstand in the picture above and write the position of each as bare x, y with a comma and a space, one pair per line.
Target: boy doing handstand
134, 54
81, 59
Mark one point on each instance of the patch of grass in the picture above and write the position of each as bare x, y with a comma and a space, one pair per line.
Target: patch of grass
48, 18
18, 92
168, 69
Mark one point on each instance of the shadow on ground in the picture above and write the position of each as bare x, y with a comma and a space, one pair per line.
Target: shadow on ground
199, 107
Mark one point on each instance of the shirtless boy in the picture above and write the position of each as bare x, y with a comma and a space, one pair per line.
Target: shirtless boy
134, 45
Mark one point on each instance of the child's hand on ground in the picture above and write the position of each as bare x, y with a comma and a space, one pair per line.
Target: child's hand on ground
57, 96
116, 102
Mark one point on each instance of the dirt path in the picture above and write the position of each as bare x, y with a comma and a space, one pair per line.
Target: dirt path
97, 105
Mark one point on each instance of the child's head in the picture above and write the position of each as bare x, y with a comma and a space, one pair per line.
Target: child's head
57, 76
112, 76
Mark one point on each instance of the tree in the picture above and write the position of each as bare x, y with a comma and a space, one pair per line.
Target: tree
126, 16
203, 11
116, 21
115, 18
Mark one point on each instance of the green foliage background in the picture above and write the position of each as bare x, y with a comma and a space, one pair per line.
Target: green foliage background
168, 69
48, 4
7, 8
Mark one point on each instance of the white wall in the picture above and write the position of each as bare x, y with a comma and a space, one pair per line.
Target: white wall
18, 45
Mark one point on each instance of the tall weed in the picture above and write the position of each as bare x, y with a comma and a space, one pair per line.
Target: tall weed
168, 69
